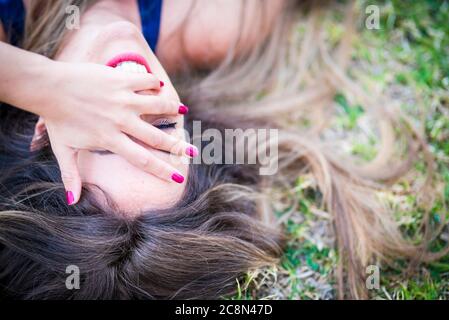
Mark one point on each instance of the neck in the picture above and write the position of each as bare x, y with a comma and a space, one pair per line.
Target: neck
107, 11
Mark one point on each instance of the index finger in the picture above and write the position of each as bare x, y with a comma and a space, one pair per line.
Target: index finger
145, 160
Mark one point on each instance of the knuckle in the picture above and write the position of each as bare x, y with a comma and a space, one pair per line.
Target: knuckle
174, 107
157, 141
145, 162
126, 101
173, 145
151, 77
165, 106
147, 102
144, 104
157, 105
122, 120
119, 98
67, 176
104, 141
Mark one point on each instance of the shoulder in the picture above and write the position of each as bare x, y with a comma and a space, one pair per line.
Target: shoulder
201, 32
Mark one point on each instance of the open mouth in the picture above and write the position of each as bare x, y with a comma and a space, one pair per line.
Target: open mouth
130, 62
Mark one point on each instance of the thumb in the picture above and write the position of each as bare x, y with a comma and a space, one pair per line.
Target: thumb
67, 160
39, 130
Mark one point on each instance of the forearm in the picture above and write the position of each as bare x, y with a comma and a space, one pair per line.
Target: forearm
25, 79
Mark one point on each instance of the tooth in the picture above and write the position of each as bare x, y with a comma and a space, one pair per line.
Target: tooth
131, 66
128, 67
119, 67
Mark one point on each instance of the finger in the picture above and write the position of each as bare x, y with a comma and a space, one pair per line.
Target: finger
143, 81
160, 140
67, 160
146, 104
40, 126
39, 130
144, 160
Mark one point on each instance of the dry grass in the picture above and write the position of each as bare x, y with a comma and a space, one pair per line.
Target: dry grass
408, 60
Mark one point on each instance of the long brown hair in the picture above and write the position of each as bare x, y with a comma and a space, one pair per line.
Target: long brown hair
200, 247
195, 249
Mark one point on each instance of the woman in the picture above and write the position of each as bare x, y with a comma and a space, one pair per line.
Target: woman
159, 239
212, 229
158, 19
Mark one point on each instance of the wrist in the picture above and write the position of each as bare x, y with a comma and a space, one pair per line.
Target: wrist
48, 74
33, 85
27, 79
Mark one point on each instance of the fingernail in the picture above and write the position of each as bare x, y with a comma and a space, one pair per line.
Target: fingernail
161, 83
183, 109
192, 151
70, 197
176, 177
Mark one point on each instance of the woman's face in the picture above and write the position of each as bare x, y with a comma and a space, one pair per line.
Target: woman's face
131, 188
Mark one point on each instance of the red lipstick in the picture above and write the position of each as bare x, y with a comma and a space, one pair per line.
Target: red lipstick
129, 56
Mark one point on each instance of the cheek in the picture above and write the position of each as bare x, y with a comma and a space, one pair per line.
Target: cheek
101, 170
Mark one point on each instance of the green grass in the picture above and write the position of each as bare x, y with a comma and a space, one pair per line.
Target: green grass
411, 52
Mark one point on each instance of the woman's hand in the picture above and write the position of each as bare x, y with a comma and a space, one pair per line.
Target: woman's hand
89, 106
97, 108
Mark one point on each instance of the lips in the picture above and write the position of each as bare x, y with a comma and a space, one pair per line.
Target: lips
135, 58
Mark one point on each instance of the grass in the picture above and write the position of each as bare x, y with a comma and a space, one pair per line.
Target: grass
410, 54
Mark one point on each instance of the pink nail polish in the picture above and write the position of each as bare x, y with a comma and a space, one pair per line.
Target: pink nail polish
191, 151
161, 83
183, 109
176, 177
70, 198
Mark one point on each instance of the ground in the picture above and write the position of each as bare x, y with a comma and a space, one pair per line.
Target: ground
408, 57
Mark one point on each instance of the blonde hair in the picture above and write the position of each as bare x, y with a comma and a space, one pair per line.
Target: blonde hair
291, 77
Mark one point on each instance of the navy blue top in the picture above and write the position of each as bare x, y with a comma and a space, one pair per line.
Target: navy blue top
150, 15
12, 16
